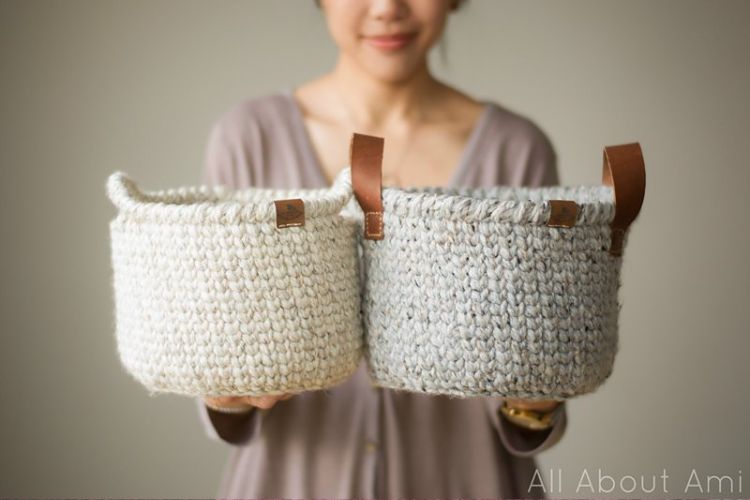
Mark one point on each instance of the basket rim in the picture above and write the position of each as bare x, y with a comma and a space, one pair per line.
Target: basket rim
511, 204
220, 203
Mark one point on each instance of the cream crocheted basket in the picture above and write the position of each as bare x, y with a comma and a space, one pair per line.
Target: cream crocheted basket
500, 291
246, 292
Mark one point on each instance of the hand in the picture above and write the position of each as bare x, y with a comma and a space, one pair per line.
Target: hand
545, 405
245, 402
541, 418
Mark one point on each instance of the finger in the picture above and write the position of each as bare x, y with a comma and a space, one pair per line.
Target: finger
223, 400
221, 404
264, 402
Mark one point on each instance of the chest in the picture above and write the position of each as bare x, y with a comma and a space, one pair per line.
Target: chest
431, 156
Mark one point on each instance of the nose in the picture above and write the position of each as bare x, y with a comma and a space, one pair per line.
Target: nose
388, 10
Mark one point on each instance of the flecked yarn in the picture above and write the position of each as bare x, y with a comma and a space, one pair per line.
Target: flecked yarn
211, 298
470, 293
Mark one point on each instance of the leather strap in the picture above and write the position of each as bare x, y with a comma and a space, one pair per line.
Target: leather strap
625, 171
366, 162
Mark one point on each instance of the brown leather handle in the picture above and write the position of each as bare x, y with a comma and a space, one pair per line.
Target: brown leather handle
625, 171
366, 162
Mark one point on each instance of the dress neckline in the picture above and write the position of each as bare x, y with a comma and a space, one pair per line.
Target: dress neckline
465, 161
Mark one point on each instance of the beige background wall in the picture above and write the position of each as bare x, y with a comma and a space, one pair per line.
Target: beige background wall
87, 88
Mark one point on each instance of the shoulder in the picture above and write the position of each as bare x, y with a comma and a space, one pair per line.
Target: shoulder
513, 127
524, 152
252, 115
240, 139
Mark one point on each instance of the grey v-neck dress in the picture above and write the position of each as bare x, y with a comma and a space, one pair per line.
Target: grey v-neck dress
358, 440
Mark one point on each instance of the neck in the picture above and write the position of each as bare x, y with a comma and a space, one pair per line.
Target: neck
377, 105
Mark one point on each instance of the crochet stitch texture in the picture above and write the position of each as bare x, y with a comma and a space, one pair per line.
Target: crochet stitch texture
492, 291
470, 293
211, 298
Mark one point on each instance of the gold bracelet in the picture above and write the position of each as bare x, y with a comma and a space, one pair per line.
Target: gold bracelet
530, 419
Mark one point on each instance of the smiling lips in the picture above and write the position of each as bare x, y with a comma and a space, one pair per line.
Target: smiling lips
391, 42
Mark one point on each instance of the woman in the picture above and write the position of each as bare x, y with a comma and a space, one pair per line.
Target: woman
358, 440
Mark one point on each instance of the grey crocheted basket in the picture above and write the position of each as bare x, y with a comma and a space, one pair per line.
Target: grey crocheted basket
501, 291
248, 292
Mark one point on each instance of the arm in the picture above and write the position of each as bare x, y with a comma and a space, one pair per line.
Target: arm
523, 442
223, 160
540, 164
232, 428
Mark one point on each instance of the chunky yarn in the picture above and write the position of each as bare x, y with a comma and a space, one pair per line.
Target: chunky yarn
470, 293
211, 298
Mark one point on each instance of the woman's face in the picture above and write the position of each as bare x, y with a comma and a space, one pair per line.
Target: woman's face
358, 28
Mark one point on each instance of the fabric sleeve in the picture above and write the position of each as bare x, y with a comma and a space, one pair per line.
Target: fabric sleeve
541, 163
523, 442
221, 163
231, 428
